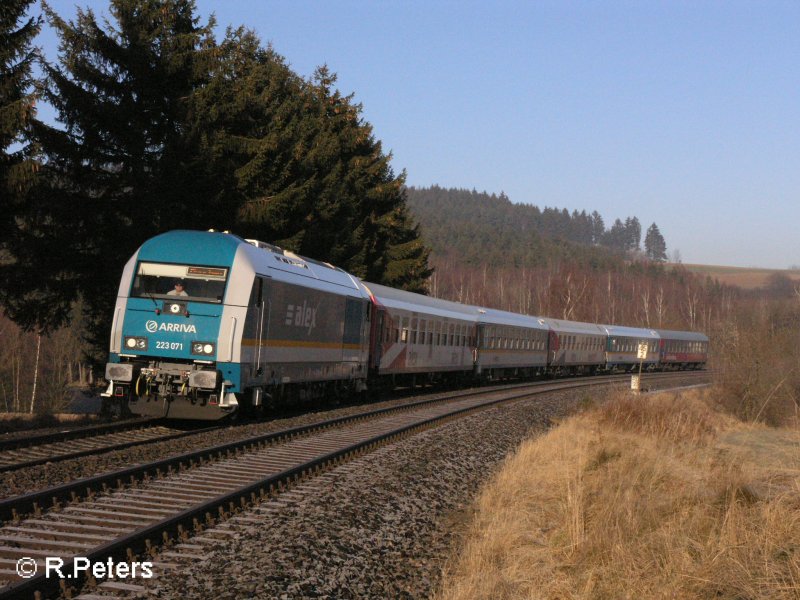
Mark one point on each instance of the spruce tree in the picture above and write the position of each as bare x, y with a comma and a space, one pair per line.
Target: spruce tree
17, 54
654, 245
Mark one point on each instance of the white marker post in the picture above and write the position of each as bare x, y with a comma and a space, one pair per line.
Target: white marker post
641, 355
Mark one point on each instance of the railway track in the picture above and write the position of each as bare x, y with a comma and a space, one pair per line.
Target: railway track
167, 499
19, 453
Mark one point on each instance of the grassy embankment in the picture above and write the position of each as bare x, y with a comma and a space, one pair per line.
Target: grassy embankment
649, 497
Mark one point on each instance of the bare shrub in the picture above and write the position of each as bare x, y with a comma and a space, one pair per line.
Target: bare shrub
757, 363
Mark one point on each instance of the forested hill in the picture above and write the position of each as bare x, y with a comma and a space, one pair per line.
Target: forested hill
489, 229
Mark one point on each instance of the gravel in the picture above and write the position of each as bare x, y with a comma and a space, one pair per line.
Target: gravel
381, 526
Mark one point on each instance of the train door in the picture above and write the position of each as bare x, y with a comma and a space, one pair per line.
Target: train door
554, 347
354, 322
256, 329
479, 342
381, 334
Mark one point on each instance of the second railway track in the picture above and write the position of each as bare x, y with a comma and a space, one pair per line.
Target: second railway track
54, 447
173, 496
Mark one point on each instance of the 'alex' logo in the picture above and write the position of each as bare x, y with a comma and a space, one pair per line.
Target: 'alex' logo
301, 316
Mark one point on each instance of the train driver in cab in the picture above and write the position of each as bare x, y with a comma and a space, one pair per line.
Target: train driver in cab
178, 290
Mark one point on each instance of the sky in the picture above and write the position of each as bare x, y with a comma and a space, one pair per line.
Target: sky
686, 114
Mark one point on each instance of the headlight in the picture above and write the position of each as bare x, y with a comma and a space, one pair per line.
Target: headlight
203, 348
136, 343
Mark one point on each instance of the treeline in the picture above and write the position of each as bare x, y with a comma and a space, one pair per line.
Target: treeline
457, 218
163, 126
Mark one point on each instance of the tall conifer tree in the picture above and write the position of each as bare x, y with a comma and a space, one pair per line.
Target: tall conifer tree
654, 245
16, 107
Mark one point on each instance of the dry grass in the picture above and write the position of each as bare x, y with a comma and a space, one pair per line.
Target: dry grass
22, 421
657, 497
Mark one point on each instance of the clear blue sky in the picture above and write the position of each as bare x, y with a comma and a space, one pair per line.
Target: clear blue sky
682, 113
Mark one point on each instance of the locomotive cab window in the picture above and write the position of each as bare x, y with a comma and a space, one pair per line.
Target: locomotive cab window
189, 282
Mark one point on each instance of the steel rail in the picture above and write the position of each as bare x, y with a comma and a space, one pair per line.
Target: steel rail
69, 434
102, 447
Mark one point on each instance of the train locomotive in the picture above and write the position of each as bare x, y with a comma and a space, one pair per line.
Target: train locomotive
208, 324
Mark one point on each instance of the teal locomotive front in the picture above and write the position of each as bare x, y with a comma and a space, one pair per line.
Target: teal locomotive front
165, 348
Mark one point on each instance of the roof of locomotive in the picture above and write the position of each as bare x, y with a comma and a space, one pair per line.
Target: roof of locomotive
635, 332
245, 258
402, 300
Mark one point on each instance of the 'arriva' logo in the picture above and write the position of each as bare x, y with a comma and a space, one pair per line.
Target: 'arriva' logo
152, 327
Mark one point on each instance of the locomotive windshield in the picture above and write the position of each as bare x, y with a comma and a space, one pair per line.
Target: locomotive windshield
189, 282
